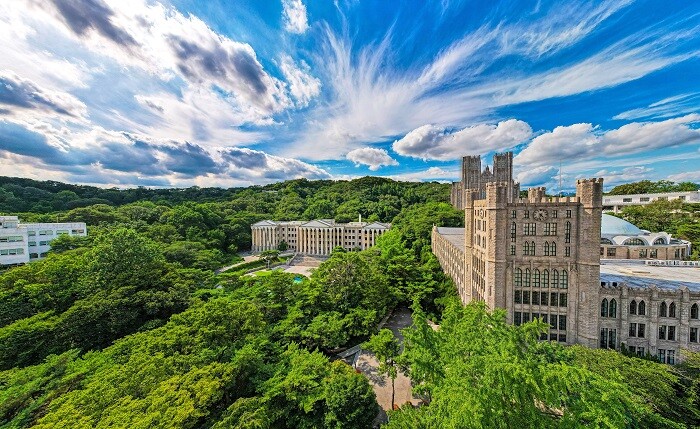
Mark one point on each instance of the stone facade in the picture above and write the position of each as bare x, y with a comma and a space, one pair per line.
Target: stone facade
539, 257
472, 177
317, 237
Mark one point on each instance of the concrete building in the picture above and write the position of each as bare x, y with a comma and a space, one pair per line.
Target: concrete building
620, 239
24, 242
472, 177
316, 237
616, 203
538, 257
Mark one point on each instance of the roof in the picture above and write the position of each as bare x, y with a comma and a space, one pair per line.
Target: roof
638, 274
265, 223
453, 235
613, 226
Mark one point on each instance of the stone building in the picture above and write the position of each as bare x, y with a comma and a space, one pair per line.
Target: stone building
538, 257
472, 177
620, 239
24, 242
316, 237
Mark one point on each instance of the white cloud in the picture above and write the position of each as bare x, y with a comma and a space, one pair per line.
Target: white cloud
537, 176
431, 142
583, 141
677, 105
626, 175
294, 16
687, 176
302, 86
431, 174
374, 158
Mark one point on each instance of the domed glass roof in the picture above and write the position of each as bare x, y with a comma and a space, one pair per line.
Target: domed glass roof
612, 226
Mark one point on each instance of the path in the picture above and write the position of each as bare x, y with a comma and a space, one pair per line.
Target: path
368, 364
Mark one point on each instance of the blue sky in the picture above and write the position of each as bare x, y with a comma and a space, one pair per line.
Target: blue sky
233, 93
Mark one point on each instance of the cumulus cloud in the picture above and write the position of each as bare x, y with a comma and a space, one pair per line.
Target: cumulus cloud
584, 141
431, 174
302, 86
626, 175
294, 16
258, 164
431, 142
372, 157
537, 176
17, 92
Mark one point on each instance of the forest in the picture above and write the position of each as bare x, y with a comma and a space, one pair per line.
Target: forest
132, 327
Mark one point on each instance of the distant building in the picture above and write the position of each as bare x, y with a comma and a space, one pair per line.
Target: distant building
615, 203
316, 237
24, 242
538, 258
472, 177
620, 239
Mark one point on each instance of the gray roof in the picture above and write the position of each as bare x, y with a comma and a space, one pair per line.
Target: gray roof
453, 235
637, 274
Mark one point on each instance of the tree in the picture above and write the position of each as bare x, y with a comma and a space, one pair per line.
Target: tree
268, 256
385, 348
283, 246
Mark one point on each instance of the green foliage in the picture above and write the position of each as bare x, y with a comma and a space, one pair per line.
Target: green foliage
649, 187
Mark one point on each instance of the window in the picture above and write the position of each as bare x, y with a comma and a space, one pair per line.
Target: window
526, 279
553, 299
553, 321
694, 311
518, 298
608, 338
555, 278
633, 307
633, 330
518, 280
562, 299
642, 308
627, 200
526, 214
640, 351
653, 253
644, 199
545, 278
543, 298
32, 244
555, 214
641, 330
546, 248
663, 310
567, 251
602, 249
526, 317
46, 232
553, 249
662, 332
526, 248
11, 239
568, 214
513, 214
564, 279
526, 297
536, 278
513, 231
611, 251
550, 228
659, 241
634, 242
31, 233
670, 357
612, 311
672, 310
604, 308
693, 335
62, 232
562, 322
671, 333
643, 253
532, 248
535, 298
517, 318
661, 354
567, 232
512, 250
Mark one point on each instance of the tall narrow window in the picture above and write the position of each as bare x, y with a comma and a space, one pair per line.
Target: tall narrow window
518, 280
526, 279
526, 248
642, 308
672, 310
536, 278
546, 248
564, 279
663, 310
604, 308
545, 278
555, 278
694, 311
532, 248
633, 307
612, 311
567, 232
513, 232
553, 249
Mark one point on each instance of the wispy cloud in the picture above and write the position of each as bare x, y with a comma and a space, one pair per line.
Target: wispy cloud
294, 16
677, 105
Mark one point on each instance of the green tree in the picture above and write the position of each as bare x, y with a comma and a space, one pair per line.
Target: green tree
385, 348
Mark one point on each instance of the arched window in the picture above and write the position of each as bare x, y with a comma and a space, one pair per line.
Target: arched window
672, 310
518, 280
663, 310
555, 278
642, 308
612, 311
604, 308
546, 248
526, 279
694, 311
634, 242
605, 241
532, 248
536, 278
545, 278
633, 307
659, 241
553, 249
564, 279
526, 248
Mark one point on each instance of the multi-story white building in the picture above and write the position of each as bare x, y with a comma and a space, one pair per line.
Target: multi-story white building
316, 237
24, 242
616, 203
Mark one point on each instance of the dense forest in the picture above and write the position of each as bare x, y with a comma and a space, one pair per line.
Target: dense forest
651, 187
131, 327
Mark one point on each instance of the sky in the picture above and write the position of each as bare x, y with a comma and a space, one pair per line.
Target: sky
236, 93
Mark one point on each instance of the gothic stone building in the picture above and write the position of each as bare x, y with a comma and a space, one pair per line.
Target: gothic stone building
538, 257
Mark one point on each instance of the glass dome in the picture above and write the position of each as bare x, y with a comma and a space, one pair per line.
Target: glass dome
613, 226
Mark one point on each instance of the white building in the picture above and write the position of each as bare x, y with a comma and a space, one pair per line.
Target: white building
24, 242
316, 237
615, 203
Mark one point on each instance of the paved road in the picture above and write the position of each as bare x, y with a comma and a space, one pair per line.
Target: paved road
381, 385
